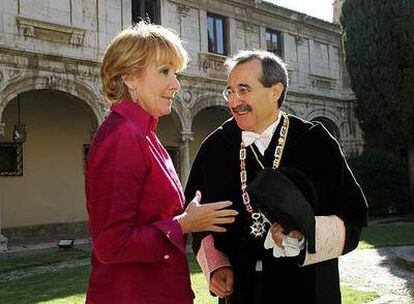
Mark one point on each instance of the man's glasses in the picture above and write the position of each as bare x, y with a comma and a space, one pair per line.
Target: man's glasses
241, 92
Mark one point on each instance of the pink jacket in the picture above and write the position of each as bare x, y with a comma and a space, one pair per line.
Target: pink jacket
133, 193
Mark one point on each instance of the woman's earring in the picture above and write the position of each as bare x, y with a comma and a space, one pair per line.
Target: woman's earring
134, 94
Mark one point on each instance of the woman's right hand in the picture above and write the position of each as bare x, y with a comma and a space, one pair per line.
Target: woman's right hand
206, 217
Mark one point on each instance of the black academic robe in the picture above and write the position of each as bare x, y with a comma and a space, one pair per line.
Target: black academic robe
312, 150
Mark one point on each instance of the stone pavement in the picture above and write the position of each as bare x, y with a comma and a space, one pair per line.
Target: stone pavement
383, 270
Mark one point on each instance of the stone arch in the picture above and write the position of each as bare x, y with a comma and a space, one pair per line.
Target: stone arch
323, 112
331, 119
72, 87
329, 125
289, 109
207, 101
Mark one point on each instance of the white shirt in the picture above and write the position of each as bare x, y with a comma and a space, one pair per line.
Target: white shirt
262, 140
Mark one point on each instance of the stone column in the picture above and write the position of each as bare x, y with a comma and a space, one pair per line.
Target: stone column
3, 239
186, 137
2, 130
3, 243
336, 7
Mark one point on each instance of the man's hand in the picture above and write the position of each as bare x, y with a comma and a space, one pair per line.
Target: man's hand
206, 217
277, 234
221, 282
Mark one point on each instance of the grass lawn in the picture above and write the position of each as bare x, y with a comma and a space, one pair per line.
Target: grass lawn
376, 236
42, 257
69, 286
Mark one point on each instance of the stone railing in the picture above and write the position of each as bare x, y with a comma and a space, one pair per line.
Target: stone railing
212, 65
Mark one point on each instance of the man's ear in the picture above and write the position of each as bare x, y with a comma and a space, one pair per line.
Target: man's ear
129, 80
277, 90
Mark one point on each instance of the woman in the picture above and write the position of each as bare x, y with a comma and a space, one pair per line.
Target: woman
134, 198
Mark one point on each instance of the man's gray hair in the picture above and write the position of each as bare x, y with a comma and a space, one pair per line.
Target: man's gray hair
274, 69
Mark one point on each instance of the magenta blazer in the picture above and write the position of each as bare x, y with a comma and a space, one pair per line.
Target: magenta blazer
133, 194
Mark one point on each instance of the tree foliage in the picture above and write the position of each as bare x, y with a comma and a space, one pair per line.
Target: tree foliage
379, 48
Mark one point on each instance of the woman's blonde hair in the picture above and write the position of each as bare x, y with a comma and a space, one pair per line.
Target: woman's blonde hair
134, 49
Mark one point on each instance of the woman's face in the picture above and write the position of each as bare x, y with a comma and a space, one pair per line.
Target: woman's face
156, 86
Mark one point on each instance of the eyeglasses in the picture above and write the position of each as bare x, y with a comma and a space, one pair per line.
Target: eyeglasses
241, 92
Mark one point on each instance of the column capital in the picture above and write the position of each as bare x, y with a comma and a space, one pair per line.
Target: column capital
187, 136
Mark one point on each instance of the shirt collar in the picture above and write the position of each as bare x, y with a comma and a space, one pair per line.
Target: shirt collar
271, 129
135, 113
262, 140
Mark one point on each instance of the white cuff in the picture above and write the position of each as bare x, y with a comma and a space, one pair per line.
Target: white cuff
290, 246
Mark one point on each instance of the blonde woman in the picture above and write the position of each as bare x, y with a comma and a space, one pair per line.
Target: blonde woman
134, 198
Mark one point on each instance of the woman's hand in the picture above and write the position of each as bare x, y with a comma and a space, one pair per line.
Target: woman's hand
206, 217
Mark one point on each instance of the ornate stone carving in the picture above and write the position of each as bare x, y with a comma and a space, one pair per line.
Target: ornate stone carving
322, 82
50, 31
212, 65
27, 30
52, 80
187, 97
77, 39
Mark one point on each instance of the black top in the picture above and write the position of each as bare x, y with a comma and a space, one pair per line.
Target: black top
309, 149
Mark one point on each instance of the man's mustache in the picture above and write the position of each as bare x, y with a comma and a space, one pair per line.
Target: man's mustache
242, 108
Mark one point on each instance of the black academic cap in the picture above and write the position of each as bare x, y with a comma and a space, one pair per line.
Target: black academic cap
286, 196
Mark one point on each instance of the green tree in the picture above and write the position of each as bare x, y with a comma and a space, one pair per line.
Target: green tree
379, 49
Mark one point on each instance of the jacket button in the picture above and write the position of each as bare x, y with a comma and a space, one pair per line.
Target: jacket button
166, 257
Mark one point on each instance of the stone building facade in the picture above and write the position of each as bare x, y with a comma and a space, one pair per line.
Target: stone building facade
51, 101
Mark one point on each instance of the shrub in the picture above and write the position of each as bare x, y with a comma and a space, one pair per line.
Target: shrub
384, 180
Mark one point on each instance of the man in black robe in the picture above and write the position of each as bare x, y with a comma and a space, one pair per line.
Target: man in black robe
240, 270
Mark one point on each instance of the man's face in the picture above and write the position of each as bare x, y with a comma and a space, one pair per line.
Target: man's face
255, 108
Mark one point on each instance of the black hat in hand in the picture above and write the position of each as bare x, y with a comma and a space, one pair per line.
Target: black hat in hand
286, 196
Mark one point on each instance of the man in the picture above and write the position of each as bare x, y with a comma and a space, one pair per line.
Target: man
251, 263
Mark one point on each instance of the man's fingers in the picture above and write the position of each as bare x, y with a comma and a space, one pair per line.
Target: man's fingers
277, 228
217, 285
296, 234
229, 283
217, 292
217, 289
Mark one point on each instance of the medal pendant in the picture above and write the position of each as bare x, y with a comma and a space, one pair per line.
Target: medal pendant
258, 226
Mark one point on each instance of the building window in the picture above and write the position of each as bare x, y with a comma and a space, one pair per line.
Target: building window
216, 34
11, 159
146, 9
274, 42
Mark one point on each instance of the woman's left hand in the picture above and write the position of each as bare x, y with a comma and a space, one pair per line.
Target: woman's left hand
206, 217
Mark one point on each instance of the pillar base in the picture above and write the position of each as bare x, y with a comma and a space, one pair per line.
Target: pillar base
3, 243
